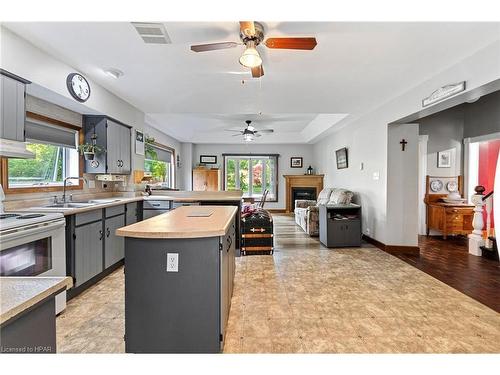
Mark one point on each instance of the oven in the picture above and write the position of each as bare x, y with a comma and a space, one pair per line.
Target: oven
38, 249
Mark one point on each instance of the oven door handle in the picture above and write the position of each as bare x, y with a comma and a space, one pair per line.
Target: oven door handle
33, 230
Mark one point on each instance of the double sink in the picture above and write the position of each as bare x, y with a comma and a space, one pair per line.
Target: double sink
88, 203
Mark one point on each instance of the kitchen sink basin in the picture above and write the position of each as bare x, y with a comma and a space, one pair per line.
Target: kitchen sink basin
69, 205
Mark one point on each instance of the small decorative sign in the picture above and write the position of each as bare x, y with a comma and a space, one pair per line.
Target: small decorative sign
139, 142
208, 159
444, 159
443, 93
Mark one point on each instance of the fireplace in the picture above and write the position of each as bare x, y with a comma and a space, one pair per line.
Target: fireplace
308, 193
301, 187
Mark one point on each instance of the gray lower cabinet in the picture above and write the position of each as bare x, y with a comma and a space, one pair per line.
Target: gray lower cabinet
183, 311
114, 250
88, 252
132, 213
12, 106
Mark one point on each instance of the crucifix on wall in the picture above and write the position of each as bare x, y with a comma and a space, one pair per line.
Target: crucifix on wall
403, 144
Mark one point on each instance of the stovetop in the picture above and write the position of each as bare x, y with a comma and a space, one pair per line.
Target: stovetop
10, 220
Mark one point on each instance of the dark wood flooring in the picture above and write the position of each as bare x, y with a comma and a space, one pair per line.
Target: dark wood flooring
450, 262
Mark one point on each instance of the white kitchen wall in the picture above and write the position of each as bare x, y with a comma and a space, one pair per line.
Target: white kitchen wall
367, 140
285, 152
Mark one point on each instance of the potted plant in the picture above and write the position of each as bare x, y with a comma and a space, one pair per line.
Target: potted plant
89, 150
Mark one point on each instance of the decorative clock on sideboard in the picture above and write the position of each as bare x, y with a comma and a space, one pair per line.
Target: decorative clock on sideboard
78, 87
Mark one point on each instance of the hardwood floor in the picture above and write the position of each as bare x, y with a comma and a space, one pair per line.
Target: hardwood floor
450, 262
310, 299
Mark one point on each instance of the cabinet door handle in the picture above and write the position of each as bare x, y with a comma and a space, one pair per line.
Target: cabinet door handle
118, 163
230, 240
107, 232
100, 235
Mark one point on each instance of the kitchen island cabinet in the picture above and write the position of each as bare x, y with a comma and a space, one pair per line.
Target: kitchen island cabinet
179, 273
28, 322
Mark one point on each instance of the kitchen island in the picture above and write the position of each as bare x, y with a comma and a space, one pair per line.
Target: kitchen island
179, 272
27, 313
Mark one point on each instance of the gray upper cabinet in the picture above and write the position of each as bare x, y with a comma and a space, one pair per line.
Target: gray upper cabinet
13, 111
115, 138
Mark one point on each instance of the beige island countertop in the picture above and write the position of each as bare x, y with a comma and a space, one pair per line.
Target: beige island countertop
17, 294
179, 224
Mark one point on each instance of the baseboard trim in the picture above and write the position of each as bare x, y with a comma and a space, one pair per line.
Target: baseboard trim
392, 249
276, 210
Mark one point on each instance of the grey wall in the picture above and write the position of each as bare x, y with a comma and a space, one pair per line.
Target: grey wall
284, 150
446, 132
482, 117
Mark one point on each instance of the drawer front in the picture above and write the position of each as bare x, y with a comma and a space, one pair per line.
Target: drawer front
160, 205
88, 217
459, 211
180, 204
115, 210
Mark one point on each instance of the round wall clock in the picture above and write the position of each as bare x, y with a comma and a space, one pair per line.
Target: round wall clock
436, 185
78, 87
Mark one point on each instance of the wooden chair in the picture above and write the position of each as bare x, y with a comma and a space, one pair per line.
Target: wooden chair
263, 200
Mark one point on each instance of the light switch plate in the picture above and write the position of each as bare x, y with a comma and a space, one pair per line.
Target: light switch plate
91, 184
172, 262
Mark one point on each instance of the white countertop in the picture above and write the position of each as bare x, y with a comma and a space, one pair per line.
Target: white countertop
18, 294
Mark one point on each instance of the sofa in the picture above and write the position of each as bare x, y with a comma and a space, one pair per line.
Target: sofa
307, 211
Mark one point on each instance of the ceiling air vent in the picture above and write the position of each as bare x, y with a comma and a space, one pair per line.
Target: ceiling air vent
152, 33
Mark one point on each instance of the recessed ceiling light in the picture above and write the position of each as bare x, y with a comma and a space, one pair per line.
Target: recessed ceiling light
115, 73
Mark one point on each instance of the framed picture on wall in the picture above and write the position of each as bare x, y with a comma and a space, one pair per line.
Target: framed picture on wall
341, 155
444, 159
296, 162
208, 159
139, 142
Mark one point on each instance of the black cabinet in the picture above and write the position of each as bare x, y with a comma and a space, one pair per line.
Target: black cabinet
340, 225
12, 106
115, 138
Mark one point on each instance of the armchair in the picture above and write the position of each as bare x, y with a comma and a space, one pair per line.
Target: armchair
307, 211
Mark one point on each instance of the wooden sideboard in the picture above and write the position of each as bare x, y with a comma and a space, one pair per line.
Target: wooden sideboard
206, 179
447, 218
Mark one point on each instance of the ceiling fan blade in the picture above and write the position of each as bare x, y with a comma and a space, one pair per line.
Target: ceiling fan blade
291, 43
247, 28
266, 131
255, 134
236, 135
213, 46
232, 130
258, 71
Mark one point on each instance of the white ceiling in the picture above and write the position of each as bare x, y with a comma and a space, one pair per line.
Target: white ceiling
195, 96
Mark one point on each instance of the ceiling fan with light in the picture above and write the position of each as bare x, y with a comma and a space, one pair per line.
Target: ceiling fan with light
249, 133
252, 35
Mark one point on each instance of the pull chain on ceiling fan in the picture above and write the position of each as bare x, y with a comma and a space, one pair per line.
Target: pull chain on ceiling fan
252, 35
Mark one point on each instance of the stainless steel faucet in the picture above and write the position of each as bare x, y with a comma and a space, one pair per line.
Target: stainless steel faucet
64, 185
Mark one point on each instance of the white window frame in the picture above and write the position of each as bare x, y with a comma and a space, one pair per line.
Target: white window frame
273, 188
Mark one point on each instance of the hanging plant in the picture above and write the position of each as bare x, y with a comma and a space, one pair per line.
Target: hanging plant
149, 150
89, 150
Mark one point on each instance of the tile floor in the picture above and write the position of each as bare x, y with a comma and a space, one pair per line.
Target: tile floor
309, 299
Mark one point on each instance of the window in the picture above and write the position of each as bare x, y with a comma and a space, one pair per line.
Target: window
56, 157
50, 166
252, 174
158, 163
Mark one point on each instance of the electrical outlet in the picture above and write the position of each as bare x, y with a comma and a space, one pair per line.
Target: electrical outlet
376, 176
172, 262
